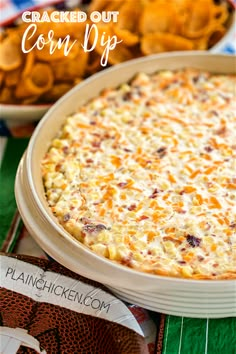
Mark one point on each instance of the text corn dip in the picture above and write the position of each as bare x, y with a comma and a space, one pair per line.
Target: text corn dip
145, 174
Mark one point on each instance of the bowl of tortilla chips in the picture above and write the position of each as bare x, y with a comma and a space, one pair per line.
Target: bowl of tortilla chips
35, 73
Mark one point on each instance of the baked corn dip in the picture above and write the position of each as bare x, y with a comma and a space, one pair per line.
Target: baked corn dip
145, 174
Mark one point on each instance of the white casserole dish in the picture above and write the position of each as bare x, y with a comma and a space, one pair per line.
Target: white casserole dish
192, 298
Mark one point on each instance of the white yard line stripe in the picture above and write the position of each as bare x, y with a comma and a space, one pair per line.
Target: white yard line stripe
3, 141
206, 344
13, 235
181, 334
167, 332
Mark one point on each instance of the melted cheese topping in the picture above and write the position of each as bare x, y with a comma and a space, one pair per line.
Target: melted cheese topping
146, 174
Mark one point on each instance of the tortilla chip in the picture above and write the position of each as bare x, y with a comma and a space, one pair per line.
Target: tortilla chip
68, 70
129, 16
56, 91
199, 19
11, 56
159, 18
126, 36
72, 48
12, 77
164, 42
6, 95
39, 81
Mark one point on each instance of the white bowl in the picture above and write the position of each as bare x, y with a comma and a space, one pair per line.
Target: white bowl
228, 38
143, 289
23, 112
35, 112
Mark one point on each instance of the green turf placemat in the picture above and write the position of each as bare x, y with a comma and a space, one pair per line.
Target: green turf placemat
10, 223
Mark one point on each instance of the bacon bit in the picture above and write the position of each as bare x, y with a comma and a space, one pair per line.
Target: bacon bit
65, 149
58, 167
85, 221
215, 265
122, 184
154, 193
66, 217
181, 262
215, 113
221, 131
162, 151
193, 240
194, 174
96, 144
150, 102
132, 207
180, 211
127, 260
208, 148
128, 184
142, 217
214, 203
89, 160
200, 258
94, 228
127, 96
232, 225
